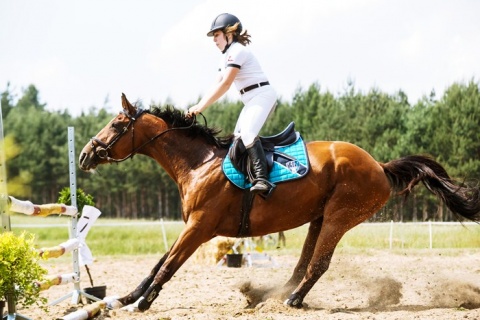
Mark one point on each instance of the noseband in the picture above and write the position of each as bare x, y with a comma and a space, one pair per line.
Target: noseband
101, 150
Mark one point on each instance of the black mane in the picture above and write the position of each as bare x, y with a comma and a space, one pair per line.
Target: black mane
177, 119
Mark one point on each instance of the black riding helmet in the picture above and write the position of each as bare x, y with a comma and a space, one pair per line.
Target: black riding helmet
222, 21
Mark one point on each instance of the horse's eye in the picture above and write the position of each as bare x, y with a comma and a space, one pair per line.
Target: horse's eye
117, 126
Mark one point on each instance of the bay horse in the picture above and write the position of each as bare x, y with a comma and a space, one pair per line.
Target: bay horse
344, 187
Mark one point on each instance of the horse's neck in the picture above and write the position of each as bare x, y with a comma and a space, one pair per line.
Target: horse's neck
180, 155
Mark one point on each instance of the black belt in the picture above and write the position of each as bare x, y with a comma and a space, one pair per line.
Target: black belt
254, 86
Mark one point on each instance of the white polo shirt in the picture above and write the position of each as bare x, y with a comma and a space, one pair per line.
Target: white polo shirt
239, 56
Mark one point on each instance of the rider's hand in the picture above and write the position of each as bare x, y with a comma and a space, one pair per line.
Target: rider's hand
193, 111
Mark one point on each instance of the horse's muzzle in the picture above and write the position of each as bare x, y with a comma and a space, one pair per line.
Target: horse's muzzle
86, 161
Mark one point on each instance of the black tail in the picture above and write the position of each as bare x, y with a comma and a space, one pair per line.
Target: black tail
406, 172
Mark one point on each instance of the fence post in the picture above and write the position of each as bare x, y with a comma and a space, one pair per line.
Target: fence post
391, 234
73, 220
430, 232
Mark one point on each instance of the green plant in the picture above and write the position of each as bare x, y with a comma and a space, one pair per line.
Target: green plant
83, 199
19, 269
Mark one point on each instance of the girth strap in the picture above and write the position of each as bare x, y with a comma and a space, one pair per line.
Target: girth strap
247, 203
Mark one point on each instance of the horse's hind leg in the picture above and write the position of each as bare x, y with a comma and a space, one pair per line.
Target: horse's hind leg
339, 217
306, 256
318, 266
328, 239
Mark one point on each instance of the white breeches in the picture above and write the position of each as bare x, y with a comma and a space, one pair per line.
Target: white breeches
258, 105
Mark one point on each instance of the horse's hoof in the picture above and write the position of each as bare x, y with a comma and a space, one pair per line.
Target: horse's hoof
294, 301
143, 304
112, 302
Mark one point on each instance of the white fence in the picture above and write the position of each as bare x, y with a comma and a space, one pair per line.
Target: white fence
397, 230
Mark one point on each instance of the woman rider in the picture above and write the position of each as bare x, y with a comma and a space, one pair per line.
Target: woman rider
239, 66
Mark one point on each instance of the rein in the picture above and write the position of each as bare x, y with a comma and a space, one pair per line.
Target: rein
102, 148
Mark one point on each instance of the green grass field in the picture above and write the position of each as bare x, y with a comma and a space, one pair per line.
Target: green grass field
126, 237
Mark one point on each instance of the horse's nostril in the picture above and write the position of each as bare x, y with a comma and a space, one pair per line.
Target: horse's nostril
83, 161
82, 157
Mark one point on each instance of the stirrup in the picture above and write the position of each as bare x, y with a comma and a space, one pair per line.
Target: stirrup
259, 187
262, 187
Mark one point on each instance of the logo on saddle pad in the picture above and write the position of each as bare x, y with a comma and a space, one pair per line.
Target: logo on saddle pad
286, 155
293, 166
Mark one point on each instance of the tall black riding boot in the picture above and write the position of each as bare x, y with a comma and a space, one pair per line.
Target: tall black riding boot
259, 163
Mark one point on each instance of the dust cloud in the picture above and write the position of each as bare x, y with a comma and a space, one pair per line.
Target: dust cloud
384, 292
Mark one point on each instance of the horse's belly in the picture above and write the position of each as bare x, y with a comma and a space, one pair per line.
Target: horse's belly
291, 205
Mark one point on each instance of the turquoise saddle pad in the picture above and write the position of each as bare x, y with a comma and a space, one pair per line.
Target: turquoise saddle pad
289, 163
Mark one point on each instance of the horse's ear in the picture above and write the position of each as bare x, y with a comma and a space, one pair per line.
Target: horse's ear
127, 106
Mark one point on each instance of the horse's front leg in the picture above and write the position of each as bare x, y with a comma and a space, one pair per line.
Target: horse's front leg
115, 302
188, 241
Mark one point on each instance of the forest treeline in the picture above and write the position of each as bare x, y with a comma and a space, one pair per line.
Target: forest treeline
386, 125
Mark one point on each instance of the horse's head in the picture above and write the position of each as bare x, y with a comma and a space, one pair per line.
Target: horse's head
119, 140
114, 143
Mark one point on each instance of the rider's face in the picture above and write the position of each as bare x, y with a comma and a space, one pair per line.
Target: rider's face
220, 39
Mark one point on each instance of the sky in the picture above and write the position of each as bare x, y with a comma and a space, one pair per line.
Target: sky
84, 54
